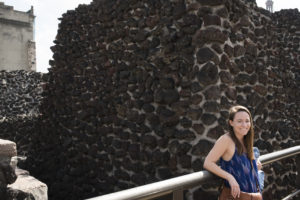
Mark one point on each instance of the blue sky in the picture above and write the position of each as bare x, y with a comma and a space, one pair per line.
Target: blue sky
47, 13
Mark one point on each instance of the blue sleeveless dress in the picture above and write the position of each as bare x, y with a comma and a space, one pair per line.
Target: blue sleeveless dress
240, 167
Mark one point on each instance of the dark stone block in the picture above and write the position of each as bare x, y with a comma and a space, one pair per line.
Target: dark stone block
186, 123
122, 175
139, 178
211, 2
226, 77
185, 161
259, 32
226, 24
185, 93
263, 78
216, 132
202, 148
149, 140
229, 50
197, 165
196, 99
208, 74
261, 90
210, 35
148, 108
180, 107
183, 149
194, 114
222, 12
195, 87
205, 54
239, 51
179, 10
212, 93
185, 135
160, 158
242, 79
217, 48
164, 173
153, 119
208, 119
173, 147
170, 121
164, 112
199, 128
251, 49
166, 96
225, 63
167, 83
230, 93
211, 106
211, 20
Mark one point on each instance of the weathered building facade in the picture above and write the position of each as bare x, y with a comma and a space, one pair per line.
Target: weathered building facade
17, 46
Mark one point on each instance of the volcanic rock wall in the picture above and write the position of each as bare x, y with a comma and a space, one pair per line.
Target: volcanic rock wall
21, 94
139, 91
20, 99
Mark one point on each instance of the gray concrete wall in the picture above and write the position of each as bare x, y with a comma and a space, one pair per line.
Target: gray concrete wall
17, 46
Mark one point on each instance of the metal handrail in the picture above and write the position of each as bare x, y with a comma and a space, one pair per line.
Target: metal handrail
290, 196
180, 183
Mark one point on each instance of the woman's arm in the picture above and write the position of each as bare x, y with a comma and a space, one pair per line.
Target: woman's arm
219, 149
259, 165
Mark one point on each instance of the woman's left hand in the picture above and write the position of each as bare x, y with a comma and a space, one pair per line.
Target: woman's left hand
259, 165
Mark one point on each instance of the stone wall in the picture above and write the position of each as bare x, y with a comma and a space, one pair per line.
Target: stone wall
21, 94
139, 91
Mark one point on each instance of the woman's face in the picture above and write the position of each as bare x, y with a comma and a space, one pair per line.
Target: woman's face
241, 123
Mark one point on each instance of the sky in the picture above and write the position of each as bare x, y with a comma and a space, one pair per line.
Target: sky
47, 13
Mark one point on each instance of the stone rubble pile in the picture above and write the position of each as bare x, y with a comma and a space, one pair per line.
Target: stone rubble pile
16, 184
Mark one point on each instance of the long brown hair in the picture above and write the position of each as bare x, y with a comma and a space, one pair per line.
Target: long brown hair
248, 139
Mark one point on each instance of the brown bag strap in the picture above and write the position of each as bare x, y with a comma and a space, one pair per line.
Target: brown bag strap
256, 179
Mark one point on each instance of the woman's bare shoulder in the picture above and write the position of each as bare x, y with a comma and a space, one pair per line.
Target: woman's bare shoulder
225, 142
225, 138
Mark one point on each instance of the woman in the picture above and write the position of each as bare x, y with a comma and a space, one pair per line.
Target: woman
235, 150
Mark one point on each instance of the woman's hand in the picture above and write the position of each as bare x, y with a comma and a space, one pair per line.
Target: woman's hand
259, 165
235, 188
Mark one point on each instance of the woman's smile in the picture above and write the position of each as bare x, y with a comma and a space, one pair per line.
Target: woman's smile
241, 123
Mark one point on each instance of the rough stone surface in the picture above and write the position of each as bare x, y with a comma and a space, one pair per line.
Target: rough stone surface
7, 148
131, 95
20, 93
29, 186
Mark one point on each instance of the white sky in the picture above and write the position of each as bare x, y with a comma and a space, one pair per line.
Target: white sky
47, 13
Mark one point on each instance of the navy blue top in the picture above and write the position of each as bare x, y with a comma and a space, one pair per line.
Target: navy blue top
240, 167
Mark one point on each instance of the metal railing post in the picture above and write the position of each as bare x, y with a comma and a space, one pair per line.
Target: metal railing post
178, 195
298, 169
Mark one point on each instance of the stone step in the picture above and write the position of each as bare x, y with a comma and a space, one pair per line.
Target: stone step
29, 185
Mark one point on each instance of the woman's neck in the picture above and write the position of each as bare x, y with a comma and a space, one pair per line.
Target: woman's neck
240, 139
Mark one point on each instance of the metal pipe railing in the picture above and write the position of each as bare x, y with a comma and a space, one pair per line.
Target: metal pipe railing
178, 184
278, 155
160, 188
290, 196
